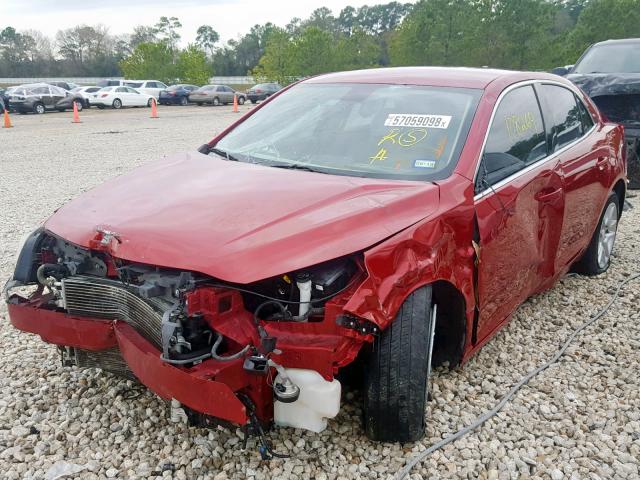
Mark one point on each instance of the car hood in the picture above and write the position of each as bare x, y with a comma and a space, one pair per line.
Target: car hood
240, 222
596, 84
616, 95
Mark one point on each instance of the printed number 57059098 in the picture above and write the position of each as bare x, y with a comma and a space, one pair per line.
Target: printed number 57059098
417, 120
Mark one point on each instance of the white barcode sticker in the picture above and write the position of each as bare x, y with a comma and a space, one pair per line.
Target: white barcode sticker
417, 120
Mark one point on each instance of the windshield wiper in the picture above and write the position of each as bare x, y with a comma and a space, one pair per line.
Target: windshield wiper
222, 153
294, 166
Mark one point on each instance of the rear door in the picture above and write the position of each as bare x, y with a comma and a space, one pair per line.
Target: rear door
585, 169
519, 208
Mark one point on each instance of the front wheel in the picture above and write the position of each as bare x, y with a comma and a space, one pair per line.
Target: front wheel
397, 374
117, 104
216, 102
597, 258
240, 100
79, 105
39, 108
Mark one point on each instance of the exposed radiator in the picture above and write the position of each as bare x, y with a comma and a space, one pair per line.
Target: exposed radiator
109, 299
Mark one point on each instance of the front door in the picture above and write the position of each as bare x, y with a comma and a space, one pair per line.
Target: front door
519, 208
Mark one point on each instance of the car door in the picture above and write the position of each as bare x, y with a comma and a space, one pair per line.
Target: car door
227, 95
585, 169
519, 205
125, 97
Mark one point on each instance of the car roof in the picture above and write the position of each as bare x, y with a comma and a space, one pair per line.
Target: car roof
620, 41
461, 77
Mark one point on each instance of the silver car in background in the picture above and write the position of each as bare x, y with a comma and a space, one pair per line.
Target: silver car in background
216, 95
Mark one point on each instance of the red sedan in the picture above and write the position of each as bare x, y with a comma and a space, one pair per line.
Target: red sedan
395, 216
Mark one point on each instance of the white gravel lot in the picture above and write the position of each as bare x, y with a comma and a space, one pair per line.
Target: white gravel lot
579, 420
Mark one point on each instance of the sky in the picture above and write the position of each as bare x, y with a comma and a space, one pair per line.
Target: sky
230, 18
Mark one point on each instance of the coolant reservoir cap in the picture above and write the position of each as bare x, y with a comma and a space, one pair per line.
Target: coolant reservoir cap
302, 277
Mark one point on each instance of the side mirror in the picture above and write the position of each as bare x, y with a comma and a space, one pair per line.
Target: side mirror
562, 71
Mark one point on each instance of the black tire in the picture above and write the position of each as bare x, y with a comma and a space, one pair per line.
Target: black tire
216, 101
184, 101
39, 108
254, 101
150, 102
589, 263
240, 100
100, 107
117, 104
396, 375
80, 105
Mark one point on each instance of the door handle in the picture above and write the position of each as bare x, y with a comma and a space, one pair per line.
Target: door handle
601, 163
548, 195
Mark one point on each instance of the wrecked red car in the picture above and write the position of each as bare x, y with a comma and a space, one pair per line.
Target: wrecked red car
396, 217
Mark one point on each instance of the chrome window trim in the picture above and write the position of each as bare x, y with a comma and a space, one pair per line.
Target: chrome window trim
494, 188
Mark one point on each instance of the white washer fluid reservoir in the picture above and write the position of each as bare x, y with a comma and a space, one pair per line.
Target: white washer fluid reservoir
318, 400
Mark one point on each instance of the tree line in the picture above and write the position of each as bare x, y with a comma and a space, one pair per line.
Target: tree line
517, 34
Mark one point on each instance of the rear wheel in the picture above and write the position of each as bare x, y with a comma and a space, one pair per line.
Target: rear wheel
38, 108
150, 102
396, 377
117, 104
597, 258
254, 101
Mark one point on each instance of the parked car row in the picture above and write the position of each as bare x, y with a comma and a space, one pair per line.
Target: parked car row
40, 97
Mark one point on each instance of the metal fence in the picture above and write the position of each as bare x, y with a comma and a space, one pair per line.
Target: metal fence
94, 80
232, 80
79, 80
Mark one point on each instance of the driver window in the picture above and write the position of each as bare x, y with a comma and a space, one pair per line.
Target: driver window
516, 138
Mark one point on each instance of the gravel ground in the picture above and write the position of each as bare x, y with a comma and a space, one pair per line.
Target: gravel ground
579, 420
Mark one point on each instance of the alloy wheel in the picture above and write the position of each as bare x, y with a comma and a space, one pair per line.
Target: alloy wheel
607, 236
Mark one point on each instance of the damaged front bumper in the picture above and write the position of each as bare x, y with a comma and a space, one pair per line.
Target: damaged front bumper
196, 387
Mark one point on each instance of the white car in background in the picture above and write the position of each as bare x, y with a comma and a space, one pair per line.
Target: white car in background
118, 97
150, 87
86, 93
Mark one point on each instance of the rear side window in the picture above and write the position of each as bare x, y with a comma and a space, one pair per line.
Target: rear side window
561, 113
516, 138
585, 116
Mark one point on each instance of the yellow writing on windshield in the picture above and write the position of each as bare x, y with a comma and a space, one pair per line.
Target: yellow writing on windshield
404, 139
379, 157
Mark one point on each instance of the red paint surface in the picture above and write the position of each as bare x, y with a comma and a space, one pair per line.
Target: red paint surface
242, 223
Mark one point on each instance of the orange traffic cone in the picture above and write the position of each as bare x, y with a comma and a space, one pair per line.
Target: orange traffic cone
76, 116
235, 103
154, 108
7, 120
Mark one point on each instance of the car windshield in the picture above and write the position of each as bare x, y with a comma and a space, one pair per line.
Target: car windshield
369, 130
612, 58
